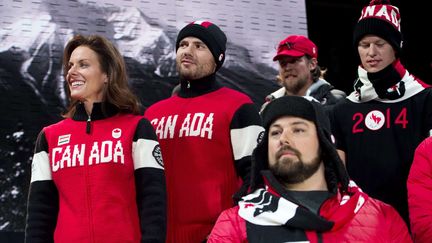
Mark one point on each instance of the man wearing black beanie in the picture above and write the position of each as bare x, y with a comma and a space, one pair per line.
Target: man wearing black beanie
379, 125
207, 133
300, 190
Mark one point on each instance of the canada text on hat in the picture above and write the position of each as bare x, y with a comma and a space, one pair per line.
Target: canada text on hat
382, 10
296, 46
381, 19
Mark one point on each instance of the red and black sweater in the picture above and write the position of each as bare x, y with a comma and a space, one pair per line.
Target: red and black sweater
105, 184
207, 134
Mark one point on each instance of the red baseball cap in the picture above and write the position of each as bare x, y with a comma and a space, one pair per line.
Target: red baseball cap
296, 46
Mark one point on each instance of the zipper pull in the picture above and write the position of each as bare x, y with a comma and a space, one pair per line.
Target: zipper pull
88, 125
188, 85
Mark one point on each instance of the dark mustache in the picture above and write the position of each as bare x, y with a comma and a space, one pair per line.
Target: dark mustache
286, 148
186, 55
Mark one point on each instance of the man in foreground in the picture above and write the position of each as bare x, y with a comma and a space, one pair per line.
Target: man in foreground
300, 190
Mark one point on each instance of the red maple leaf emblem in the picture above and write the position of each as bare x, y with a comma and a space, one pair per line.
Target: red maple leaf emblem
375, 118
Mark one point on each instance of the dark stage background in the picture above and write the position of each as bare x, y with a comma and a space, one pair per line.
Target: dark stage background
331, 24
33, 33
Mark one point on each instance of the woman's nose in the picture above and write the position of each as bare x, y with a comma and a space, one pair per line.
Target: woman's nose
71, 70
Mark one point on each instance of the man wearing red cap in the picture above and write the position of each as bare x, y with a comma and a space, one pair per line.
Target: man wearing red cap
299, 73
379, 125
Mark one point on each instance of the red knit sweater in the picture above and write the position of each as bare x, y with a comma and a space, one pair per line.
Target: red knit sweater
104, 186
206, 143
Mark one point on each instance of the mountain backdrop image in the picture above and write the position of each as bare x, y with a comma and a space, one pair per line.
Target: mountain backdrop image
34, 33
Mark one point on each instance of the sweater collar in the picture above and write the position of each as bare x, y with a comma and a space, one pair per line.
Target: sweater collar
197, 87
99, 111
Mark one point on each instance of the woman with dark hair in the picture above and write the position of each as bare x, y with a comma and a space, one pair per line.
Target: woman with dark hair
97, 175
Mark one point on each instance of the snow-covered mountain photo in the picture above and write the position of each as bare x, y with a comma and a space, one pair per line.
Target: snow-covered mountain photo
34, 33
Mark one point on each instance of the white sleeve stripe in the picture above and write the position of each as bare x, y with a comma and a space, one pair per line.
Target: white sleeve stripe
244, 140
146, 153
41, 170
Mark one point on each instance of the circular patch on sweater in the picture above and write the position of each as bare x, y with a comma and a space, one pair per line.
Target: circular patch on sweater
116, 133
260, 137
374, 120
158, 155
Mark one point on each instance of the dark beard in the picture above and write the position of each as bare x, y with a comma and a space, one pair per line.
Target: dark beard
292, 171
189, 76
200, 72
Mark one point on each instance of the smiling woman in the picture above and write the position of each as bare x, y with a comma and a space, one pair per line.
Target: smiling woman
85, 79
95, 71
106, 150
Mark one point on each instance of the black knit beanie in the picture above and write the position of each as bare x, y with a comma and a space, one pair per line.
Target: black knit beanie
210, 34
382, 19
311, 110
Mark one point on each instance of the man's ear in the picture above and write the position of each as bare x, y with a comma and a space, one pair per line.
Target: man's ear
313, 63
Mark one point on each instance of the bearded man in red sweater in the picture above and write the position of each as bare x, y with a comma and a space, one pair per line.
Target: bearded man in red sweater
207, 133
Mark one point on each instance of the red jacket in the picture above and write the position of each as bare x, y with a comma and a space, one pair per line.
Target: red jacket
420, 192
372, 221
